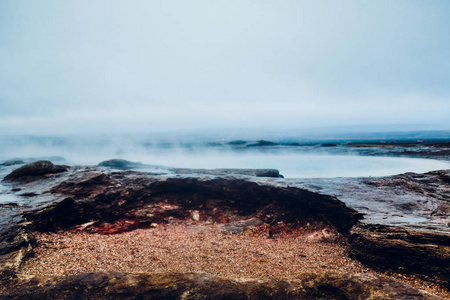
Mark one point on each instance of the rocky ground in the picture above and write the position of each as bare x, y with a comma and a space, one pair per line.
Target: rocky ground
100, 233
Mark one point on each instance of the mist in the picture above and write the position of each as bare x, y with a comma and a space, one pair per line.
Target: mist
161, 153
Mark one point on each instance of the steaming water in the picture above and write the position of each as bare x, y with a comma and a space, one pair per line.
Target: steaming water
304, 165
295, 162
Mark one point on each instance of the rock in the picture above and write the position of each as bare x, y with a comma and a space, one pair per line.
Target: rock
203, 286
222, 172
16, 241
123, 201
12, 162
138, 198
121, 164
407, 250
195, 215
418, 201
34, 170
262, 143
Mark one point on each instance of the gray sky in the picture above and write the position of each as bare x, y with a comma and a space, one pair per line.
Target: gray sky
95, 66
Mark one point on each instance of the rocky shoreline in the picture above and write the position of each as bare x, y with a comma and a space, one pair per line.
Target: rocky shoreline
101, 200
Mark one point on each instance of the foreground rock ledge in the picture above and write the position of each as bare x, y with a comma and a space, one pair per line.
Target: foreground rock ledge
203, 286
112, 202
406, 250
108, 202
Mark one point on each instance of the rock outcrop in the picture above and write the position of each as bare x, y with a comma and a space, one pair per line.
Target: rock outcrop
104, 201
124, 201
406, 250
16, 240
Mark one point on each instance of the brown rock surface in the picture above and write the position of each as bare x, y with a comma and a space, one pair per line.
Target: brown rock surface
396, 248
124, 201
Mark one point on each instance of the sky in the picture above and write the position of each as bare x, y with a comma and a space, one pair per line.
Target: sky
146, 66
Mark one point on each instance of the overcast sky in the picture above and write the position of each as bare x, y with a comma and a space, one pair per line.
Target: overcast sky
109, 66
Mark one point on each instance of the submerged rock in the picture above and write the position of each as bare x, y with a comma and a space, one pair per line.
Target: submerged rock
222, 172
121, 164
12, 162
34, 170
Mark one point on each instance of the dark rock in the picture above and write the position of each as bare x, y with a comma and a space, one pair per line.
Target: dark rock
127, 200
237, 143
203, 286
406, 250
16, 240
28, 194
12, 162
120, 164
262, 143
34, 170
60, 215
221, 172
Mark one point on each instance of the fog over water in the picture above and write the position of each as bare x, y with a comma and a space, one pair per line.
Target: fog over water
102, 69
293, 160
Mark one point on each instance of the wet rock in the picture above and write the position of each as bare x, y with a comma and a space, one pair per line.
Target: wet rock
262, 143
63, 214
203, 286
222, 172
418, 201
12, 162
35, 170
16, 241
121, 164
406, 250
125, 198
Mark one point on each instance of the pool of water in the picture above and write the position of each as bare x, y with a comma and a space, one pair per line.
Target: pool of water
312, 163
301, 165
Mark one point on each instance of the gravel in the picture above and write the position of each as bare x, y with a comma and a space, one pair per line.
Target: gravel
194, 249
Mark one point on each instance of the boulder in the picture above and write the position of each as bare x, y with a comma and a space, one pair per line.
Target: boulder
120, 164
34, 170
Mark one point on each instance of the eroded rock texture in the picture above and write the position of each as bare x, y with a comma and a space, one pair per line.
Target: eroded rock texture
124, 201
411, 251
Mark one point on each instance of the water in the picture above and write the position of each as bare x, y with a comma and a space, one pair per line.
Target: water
290, 164
310, 161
